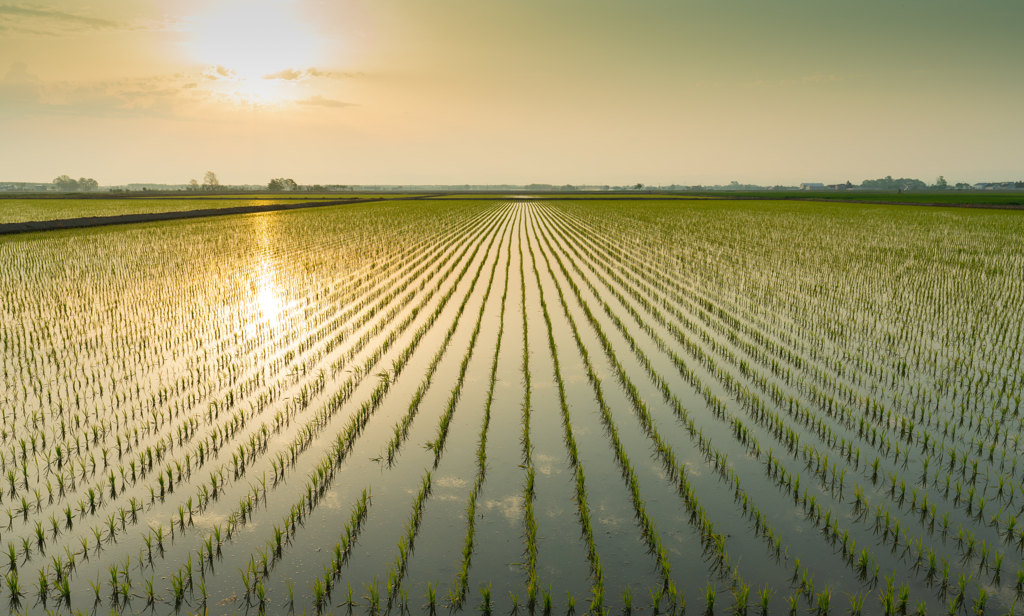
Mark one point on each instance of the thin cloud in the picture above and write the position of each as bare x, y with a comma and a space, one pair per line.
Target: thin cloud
35, 20
320, 101
18, 73
157, 96
218, 72
43, 21
292, 74
313, 72
288, 74
19, 85
177, 95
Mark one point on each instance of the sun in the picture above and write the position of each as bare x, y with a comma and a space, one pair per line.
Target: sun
253, 38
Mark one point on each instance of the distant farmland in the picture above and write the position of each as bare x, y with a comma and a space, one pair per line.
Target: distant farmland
484, 405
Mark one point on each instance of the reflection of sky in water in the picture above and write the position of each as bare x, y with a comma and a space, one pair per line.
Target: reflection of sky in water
511, 507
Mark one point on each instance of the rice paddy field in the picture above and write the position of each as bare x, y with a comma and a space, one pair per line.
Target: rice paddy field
35, 209
499, 405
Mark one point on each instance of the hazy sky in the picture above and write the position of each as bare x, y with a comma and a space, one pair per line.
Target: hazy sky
512, 91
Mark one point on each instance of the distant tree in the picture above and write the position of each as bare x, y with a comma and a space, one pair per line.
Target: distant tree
87, 184
277, 184
941, 183
638, 186
193, 184
210, 181
66, 183
888, 183
962, 186
1018, 184
849, 184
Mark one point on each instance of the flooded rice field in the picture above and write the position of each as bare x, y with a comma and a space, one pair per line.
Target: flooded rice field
491, 406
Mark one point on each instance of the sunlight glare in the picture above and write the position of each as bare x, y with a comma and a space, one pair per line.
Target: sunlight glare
254, 38
270, 305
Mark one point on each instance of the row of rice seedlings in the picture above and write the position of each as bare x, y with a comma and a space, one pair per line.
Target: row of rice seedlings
321, 587
583, 508
405, 546
669, 397
650, 534
709, 307
394, 582
94, 432
438, 248
402, 427
367, 364
406, 543
172, 479
762, 527
758, 516
907, 430
257, 444
344, 440
116, 418
215, 488
317, 486
306, 434
529, 520
313, 488
461, 583
432, 268
815, 457
741, 432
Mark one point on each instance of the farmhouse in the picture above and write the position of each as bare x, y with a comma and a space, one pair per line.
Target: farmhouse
812, 186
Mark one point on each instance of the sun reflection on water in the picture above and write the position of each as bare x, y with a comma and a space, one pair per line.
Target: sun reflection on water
269, 304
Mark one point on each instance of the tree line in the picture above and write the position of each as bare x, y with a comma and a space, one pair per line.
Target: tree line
67, 183
888, 183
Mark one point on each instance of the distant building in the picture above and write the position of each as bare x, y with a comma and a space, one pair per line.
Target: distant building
837, 186
812, 186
